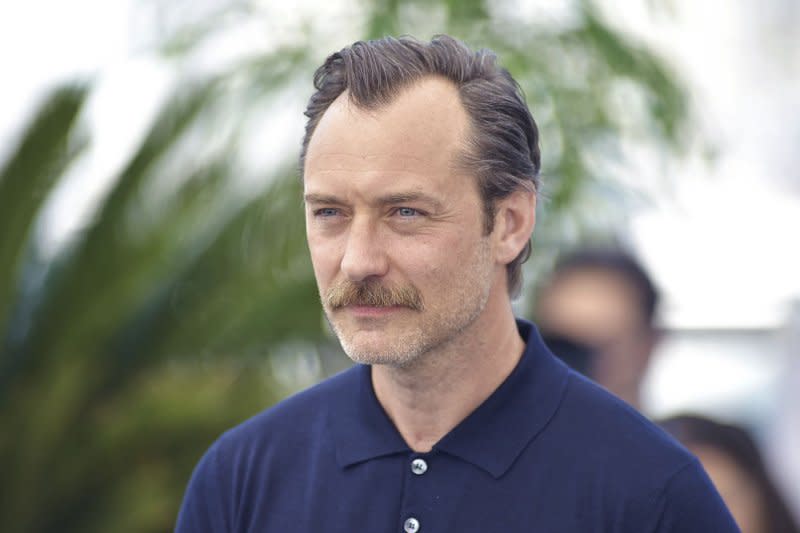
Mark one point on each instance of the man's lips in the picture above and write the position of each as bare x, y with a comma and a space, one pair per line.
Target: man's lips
371, 310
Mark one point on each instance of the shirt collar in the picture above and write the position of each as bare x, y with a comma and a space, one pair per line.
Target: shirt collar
360, 427
491, 437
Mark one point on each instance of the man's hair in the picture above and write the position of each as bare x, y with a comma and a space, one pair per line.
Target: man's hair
620, 263
503, 145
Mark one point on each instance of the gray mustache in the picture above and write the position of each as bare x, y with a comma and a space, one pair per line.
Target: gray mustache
374, 295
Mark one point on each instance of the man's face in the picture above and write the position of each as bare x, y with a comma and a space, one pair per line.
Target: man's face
395, 231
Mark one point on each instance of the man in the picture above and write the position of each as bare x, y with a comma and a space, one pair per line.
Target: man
419, 167
603, 301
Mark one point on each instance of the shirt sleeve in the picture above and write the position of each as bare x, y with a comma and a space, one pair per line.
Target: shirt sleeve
202, 510
691, 504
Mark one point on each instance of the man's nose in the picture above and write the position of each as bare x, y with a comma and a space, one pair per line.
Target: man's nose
364, 254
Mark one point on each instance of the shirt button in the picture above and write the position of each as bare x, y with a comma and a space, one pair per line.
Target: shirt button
419, 466
411, 525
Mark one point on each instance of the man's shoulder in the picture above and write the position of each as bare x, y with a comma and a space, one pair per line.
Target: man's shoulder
620, 456
265, 458
609, 432
296, 417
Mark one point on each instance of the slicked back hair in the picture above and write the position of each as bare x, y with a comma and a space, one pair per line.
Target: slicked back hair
503, 145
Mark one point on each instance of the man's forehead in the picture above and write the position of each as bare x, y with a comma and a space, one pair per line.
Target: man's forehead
421, 131
332, 159
429, 109
425, 94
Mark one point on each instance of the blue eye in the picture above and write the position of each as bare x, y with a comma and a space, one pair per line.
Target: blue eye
326, 212
407, 212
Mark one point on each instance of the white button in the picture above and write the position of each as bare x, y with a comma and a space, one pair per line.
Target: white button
419, 466
411, 525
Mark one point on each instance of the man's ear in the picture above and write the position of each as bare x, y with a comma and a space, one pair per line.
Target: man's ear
515, 217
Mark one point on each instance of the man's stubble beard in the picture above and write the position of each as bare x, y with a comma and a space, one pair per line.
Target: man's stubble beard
435, 325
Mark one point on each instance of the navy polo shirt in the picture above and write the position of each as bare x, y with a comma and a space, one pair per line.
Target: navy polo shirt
547, 452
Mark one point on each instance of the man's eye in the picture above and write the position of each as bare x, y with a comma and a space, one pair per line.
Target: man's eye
407, 211
326, 212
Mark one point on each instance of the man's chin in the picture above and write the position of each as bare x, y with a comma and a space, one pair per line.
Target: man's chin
383, 359
377, 342
378, 352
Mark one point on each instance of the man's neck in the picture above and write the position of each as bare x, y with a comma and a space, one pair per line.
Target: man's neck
426, 400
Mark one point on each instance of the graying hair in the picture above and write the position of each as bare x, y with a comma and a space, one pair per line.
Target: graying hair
503, 147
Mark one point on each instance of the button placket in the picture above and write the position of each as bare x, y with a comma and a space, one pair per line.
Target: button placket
417, 497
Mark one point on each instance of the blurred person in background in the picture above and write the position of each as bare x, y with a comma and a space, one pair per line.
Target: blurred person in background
733, 461
597, 312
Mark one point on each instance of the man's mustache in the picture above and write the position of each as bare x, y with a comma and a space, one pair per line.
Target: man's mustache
373, 294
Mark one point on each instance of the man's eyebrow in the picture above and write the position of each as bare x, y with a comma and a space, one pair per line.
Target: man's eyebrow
400, 198
387, 199
313, 198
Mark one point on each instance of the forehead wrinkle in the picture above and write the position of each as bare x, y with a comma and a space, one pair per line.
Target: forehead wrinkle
347, 162
339, 159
